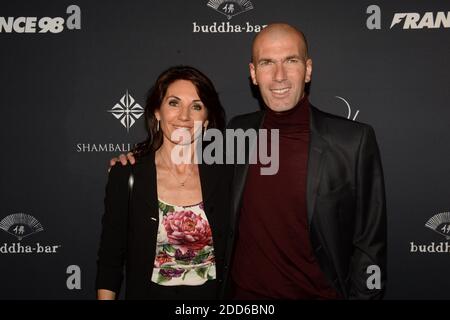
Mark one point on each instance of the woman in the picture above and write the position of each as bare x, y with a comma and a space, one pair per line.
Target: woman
164, 222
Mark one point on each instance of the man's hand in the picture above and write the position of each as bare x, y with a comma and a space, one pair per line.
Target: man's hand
123, 159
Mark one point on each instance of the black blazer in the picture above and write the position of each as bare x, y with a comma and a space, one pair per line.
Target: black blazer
128, 239
345, 201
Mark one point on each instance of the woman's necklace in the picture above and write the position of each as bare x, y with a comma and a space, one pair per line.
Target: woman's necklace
181, 183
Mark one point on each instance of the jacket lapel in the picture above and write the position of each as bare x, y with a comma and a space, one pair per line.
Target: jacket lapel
145, 183
318, 147
208, 179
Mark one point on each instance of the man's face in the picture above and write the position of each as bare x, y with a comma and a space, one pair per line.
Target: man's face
280, 69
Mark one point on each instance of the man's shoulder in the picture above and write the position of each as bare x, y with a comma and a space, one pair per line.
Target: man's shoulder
338, 123
341, 131
245, 120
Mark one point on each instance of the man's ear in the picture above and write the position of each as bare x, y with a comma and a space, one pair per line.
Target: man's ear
308, 70
253, 73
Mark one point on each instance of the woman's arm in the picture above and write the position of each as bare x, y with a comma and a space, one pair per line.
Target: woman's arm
103, 294
112, 249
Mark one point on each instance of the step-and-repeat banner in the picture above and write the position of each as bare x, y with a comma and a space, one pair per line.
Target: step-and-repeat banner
73, 81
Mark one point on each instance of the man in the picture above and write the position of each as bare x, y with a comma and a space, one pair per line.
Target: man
317, 228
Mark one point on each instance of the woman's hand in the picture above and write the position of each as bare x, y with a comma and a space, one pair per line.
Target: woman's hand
103, 294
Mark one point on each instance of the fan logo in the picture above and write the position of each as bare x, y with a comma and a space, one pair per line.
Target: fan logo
230, 8
21, 225
44, 24
127, 111
439, 223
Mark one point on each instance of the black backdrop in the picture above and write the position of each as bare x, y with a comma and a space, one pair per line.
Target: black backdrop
57, 132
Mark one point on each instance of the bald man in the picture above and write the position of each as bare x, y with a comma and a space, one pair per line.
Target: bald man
317, 228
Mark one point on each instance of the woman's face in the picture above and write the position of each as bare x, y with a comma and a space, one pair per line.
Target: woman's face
180, 108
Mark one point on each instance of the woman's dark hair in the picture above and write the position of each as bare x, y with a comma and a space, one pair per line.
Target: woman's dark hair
206, 91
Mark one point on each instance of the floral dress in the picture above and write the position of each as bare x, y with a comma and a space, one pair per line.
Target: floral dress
184, 248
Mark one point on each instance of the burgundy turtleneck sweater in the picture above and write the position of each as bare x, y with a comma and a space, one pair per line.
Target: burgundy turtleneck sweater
273, 256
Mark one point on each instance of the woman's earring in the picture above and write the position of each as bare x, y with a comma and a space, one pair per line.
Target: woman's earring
157, 126
204, 132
